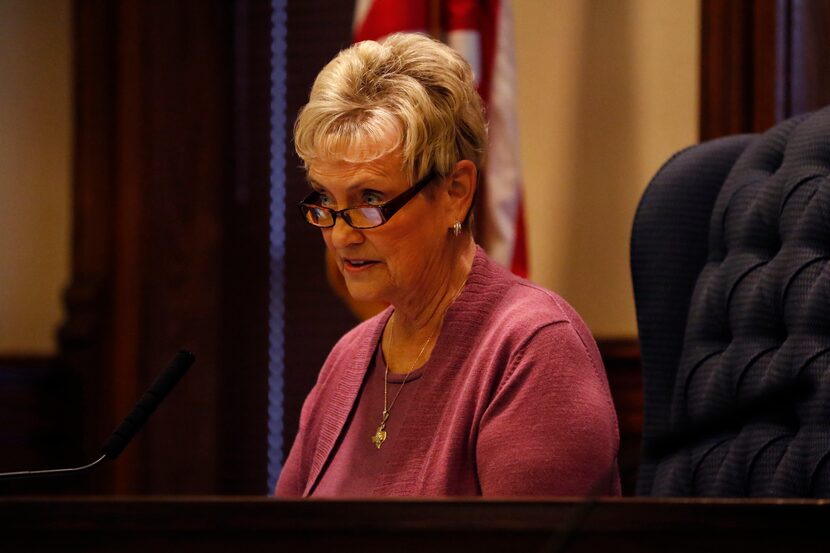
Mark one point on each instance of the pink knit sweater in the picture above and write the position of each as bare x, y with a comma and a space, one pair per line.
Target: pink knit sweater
515, 401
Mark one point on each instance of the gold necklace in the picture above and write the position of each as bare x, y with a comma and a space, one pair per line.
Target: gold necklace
380, 435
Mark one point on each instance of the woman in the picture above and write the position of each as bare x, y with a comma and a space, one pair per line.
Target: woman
473, 381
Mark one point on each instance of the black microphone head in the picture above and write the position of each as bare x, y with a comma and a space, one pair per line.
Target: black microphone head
133, 422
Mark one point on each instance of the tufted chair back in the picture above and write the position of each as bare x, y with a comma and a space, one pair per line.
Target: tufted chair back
730, 257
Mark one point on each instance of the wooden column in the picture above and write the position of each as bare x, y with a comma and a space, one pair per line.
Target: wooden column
169, 250
762, 61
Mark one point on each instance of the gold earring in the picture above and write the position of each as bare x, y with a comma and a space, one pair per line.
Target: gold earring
456, 228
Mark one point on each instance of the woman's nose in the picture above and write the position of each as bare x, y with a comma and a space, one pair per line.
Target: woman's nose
343, 235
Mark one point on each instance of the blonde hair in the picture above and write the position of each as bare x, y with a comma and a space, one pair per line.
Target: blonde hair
409, 92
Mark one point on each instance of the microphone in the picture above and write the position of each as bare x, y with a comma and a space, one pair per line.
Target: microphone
132, 423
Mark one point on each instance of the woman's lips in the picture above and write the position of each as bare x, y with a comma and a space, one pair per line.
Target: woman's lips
358, 265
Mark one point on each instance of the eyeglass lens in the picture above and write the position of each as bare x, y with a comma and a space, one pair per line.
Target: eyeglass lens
358, 217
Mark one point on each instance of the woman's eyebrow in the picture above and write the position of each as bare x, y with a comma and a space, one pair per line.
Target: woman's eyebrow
365, 183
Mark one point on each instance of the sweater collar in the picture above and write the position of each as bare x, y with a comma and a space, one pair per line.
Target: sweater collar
347, 388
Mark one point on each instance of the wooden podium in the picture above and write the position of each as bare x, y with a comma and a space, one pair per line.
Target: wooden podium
243, 524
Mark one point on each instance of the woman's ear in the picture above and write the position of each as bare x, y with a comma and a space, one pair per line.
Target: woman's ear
462, 188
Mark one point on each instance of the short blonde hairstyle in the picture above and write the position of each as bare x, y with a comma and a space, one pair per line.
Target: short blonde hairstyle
410, 88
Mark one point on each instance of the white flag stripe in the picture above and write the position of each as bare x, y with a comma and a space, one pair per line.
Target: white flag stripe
467, 42
504, 177
361, 9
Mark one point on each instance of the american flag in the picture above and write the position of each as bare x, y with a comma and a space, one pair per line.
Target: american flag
482, 31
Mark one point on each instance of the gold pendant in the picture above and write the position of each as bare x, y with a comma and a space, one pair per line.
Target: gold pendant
380, 436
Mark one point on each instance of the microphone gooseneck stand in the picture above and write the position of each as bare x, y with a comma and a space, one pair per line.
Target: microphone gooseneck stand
131, 424
48, 472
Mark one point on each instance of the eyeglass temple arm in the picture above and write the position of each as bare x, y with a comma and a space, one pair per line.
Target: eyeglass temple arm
392, 206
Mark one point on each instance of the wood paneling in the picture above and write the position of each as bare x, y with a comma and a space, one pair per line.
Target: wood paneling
243, 355
762, 61
86, 332
170, 238
808, 55
41, 426
213, 524
739, 66
625, 378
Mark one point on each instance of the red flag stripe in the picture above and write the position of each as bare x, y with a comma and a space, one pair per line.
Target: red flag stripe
462, 14
384, 17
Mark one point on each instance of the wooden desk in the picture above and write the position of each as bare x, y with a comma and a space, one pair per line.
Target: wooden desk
243, 524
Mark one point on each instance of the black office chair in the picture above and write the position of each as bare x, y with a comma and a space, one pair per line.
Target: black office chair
729, 256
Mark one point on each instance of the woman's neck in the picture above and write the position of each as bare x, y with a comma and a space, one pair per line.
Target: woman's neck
417, 320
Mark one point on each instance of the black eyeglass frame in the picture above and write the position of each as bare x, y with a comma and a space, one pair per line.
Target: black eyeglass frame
386, 209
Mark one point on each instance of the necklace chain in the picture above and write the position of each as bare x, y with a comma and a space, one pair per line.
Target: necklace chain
380, 435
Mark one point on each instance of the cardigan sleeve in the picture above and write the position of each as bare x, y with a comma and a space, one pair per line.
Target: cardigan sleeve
551, 428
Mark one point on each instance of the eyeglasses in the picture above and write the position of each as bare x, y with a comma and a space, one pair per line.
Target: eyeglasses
361, 216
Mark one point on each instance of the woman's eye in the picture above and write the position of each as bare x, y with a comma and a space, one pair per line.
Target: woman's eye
323, 200
371, 197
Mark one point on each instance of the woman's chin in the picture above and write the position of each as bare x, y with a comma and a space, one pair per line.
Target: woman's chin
367, 285
361, 294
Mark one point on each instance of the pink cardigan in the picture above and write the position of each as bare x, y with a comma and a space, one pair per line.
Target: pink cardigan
515, 401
